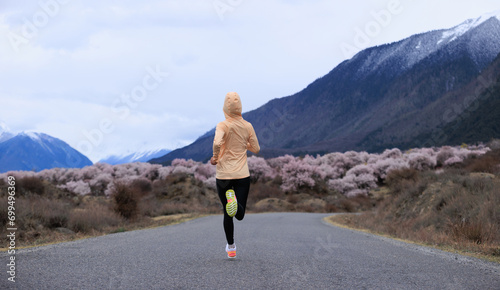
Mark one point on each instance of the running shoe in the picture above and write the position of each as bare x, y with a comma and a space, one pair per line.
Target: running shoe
232, 204
231, 252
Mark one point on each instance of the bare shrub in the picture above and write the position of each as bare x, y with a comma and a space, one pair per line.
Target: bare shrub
33, 185
331, 208
37, 211
488, 163
4, 211
397, 176
149, 206
347, 205
175, 208
477, 185
402, 179
260, 191
293, 198
51, 213
126, 200
142, 185
468, 231
176, 178
160, 188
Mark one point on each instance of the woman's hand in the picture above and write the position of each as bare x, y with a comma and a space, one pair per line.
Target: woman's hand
212, 161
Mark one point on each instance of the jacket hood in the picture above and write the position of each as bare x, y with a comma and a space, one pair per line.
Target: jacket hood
232, 105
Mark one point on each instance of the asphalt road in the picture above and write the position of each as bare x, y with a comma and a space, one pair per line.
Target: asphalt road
275, 251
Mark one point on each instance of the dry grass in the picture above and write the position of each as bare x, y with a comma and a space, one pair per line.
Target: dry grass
35, 217
94, 217
46, 237
47, 214
455, 209
488, 163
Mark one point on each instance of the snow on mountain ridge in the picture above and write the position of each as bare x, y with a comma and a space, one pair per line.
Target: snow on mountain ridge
139, 155
459, 30
142, 156
33, 135
409, 51
41, 138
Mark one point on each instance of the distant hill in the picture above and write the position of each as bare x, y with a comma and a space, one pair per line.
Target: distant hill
385, 96
38, 151
144, 156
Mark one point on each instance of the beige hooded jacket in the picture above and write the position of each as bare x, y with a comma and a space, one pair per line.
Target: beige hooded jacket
233, 137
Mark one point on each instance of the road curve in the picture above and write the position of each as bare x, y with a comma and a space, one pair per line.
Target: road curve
275, 251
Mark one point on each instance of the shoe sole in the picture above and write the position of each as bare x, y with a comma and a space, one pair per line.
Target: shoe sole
231, 207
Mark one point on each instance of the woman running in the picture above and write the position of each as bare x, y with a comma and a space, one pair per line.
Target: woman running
233, 137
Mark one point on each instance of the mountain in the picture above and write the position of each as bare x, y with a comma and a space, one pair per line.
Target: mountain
134, 157
38, 151
479, 121
385, 96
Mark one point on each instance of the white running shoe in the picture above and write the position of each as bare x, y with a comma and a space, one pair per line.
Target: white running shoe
231, 252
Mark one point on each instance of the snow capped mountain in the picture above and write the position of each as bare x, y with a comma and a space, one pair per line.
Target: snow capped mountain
38, 151
134, 157
412, 50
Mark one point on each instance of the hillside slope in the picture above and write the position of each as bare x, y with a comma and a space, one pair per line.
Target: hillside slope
475, 118
466, 115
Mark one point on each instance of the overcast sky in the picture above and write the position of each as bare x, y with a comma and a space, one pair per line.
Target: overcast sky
111, 77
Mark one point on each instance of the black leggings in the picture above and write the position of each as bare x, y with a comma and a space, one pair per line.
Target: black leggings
241, 188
